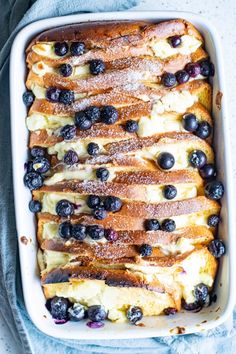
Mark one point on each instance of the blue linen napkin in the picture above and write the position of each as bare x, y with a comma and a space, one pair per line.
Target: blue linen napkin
27, 336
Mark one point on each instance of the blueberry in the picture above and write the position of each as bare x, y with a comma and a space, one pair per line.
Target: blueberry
152, 225
41, 164
99, 213
78, 231
145, 250
61, 48
168, 80
64, 230
175, 41
96, 232
217, 248
59, 307
112, 203
102, 173
214, 190
96, 66
93, 149
203, 130
35, 206
207, 68
168, 225
28, 98
190, 122
77, 312
67, 97
64, 208
37, 152
208, 171
93, 201
82, 121
77, 48
193, 69
109, 114
170, 311
53, 94
192, 307
169, 192
96, 313
182, 76
134, 314
33, 180
131, 126
65, 70
111, 235
93, 113
166, 161
201, 292
28, 166
71, 158
197, 158
68, 132
213, 220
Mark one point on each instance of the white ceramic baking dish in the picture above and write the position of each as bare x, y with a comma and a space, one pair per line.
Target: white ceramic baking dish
33, 295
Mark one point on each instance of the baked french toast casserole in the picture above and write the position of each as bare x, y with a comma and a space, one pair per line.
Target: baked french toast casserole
121, 169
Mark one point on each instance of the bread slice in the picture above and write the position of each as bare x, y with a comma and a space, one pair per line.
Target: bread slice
125, 40
143, 113
127, 245
127, 95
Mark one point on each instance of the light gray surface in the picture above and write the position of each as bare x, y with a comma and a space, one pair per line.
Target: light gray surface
223, 15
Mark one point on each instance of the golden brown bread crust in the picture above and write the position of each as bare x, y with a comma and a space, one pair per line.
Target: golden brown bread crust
101, 33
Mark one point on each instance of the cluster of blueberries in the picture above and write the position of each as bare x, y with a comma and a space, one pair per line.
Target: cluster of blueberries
205, 68
201, 129
63, 310
197, 158
36, 168
93, 114
79, 232
192, 70
216, 247
65, 208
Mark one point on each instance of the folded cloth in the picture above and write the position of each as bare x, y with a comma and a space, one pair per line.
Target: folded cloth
27, 336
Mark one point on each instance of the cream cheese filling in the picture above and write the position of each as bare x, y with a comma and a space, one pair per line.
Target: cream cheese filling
84, 173
40, 69
189, 44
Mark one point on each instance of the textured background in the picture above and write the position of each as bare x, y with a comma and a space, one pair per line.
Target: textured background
223, 15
